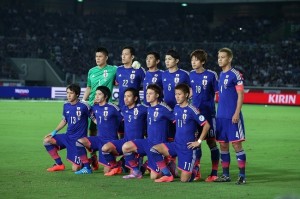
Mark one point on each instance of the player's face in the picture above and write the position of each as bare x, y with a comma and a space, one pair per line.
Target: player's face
151, 96
101, 59
129, 99
126, 57
71, 96
196, 63
223, 59
180, 96
151, 61
170, 61
99, 97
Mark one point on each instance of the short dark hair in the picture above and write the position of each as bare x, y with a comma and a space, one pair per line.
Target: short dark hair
75, 88
134, 92
184, 88
105, 90
155, 54
173, 53
200, 55
157, 89
131, 49
102, 50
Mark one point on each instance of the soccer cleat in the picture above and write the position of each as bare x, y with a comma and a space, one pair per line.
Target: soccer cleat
172, 167
94, 162
198, 176
84, 170
241, 180
211, 178
165, 179
114, 171
56, 167
134, 174
223, 178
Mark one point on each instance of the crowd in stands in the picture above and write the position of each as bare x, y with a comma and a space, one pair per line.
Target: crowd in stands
69, 42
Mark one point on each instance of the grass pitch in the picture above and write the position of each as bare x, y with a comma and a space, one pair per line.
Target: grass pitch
272, 148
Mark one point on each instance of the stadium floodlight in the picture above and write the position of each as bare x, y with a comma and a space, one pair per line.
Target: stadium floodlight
184, 4
80, 1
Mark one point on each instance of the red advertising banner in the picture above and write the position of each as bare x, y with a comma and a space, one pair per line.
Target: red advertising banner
272, 98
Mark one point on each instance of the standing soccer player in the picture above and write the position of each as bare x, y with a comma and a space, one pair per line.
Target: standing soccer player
158, 117
153, 75
135, 123
100, 75
173, 76
204, 85
107, 116
185, 147
75, 114
230, 123
128, 75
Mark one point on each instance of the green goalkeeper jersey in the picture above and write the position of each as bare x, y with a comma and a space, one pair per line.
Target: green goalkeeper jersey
100, 77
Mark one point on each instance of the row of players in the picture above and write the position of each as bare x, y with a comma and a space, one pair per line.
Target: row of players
201, 86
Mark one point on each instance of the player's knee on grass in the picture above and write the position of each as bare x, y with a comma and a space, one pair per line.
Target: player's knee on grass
185, 177
75, 167
154, 175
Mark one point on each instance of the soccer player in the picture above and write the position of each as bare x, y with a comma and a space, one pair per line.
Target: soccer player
107, 116
185, 147
127, 76
135, 122
75, 115
204, 85
158, 117
100, 75
153, 75
230, 123
171, 77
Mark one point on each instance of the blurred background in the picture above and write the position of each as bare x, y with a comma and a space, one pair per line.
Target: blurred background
53, 42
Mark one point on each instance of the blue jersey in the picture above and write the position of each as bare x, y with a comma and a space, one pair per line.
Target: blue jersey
152, 78
135, 121
77, 118
128, 78
108, 119
170, 80
187, 119
204, 86
227, 93
158, 119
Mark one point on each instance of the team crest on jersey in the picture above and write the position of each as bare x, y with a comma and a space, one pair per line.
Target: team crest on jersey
105, 74
135, 113
176, 80
155, 114
184, 116
154, 79
225, 83
78, 113
132, 77
204, 83
105, 114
